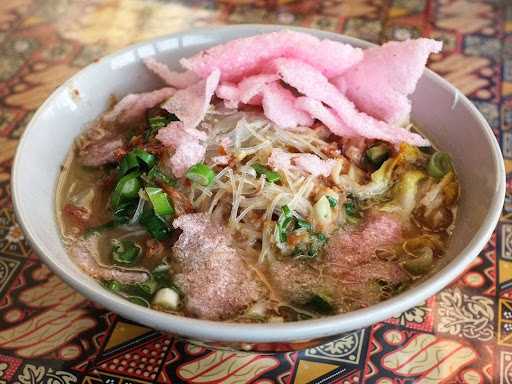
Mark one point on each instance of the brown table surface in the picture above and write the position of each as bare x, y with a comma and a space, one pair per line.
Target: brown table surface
51, 334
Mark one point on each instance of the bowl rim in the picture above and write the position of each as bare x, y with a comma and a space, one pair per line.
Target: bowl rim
268, 332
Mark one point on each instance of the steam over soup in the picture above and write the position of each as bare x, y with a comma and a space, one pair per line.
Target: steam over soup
277, 179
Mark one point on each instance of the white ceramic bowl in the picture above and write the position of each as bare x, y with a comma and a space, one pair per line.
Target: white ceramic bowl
446, 116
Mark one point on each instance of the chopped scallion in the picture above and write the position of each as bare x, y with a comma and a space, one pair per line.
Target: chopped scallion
332, 201
156, 226
149, 287
125, 252
159, 200
155, 174
270, 176
134, 160
162, 276
113, 286
138, 300
303, 224
377, 154
283, 222
157, 122
127, 188
128, 163
201, 174
352, 210
439, 165
123, 212
148, 158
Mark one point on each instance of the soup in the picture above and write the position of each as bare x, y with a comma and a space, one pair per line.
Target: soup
249, 208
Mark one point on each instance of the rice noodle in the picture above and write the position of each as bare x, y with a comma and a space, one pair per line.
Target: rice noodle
248, 201
138, 212
299, 143
265, 241
303, 192
236, 200
245, 212
250, 198
215, 201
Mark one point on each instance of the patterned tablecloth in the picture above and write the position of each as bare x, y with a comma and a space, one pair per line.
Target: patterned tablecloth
51, 334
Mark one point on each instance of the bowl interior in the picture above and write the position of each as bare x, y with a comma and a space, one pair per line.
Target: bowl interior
444, 114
